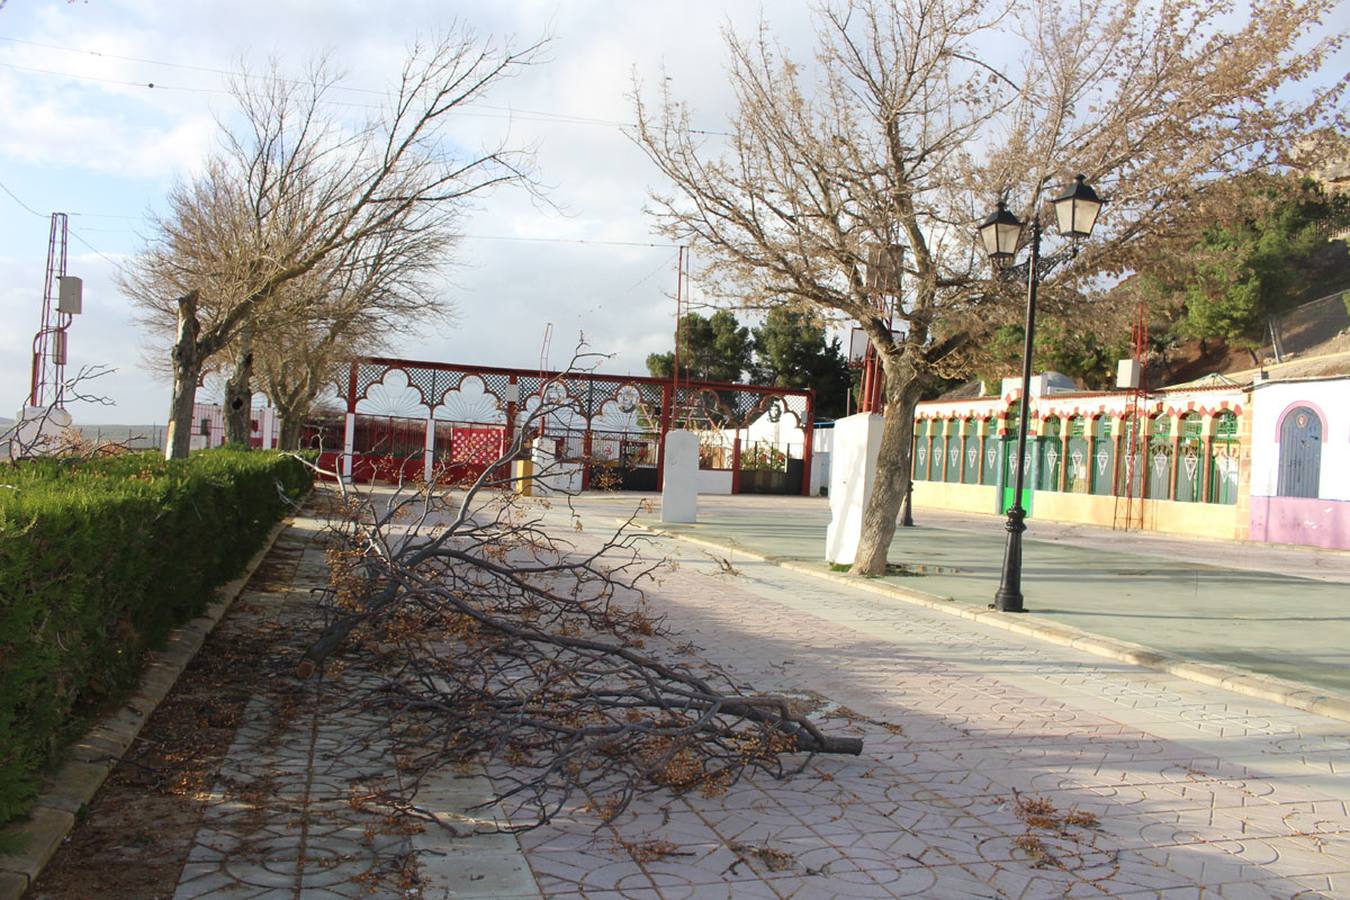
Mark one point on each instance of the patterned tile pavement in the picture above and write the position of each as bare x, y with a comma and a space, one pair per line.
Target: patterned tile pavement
1194, 790
280, 822
1175, 789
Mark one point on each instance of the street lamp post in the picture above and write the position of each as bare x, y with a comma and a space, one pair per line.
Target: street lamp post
1076, 211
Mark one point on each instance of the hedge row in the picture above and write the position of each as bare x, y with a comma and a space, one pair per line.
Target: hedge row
99, 560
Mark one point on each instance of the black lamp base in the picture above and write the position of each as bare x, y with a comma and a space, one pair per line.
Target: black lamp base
1008, 598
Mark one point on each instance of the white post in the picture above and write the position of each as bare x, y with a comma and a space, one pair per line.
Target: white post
265, 423
429, 454
544, 456
679, 485
853, 469
348, 445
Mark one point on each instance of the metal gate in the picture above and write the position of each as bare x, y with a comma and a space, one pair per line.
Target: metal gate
1103, 460
1190, 471
768, 468
1300, 453
466, 451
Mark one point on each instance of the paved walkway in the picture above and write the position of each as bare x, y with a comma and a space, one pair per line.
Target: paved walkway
993, 766
1280, 611
293, 813
968, 731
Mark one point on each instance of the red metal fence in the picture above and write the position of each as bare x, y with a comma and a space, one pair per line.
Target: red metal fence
614, 423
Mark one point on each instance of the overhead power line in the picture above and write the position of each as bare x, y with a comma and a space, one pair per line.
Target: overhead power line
548, 240
467, 109
71, 231
599, 242
173, 65
105, 257
474, 110
4, 187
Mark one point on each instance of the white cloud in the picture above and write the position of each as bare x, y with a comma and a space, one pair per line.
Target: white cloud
50, 132
132, 140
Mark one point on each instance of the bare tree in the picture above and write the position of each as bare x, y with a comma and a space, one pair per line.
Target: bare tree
376, 290
294, 190
301, 359
502, 637
906, 129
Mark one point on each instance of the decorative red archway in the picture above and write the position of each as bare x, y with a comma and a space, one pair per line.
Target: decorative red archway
412, 419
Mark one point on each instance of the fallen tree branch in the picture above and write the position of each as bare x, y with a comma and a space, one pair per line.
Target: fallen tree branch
502, 642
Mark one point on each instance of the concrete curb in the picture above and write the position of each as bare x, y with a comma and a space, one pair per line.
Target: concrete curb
93, 756
1298, 695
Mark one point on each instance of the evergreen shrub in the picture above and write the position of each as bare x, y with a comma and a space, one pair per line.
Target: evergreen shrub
99, 560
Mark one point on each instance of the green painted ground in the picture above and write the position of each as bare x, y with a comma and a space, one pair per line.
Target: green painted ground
1278, 624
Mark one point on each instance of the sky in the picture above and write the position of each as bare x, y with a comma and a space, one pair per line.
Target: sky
82, 131
84, 134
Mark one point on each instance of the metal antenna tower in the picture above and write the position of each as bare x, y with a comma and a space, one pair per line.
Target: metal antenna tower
1129, 505
681, 310
61, 300
544, 348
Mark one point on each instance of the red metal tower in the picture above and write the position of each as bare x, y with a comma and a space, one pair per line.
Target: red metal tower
884, 267
1132, 480
681, 311
60, 301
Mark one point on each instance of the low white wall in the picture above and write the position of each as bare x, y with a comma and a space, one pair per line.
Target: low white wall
714, 481
820, 471
39, 430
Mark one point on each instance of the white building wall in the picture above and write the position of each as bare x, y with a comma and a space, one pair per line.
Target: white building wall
762, 430
1331, 399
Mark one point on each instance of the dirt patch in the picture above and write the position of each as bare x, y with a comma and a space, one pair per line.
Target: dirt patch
132, 840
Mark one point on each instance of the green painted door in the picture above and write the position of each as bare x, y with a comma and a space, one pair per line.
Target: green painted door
1009, 476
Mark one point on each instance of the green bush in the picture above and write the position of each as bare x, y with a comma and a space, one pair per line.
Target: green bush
99, 560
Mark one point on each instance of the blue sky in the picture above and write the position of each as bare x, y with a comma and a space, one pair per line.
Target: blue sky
84, 134
107, 153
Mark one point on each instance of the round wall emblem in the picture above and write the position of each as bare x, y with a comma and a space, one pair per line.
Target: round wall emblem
554, 394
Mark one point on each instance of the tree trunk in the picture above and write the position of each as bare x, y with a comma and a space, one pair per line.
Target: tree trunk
289, 439
239, 393
187, 371
893, 469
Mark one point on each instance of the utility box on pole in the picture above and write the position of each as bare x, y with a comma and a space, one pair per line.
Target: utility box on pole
70, 295
1127, 374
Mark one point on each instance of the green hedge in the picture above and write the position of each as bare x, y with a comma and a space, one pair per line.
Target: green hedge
99, 560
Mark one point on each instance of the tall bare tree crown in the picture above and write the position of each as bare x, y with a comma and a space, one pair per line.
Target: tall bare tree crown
298, 206
914, 117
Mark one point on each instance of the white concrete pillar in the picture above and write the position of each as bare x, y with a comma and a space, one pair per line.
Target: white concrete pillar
679, 486
853, 471
544, 457
348, 445
429, 452
266, 422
